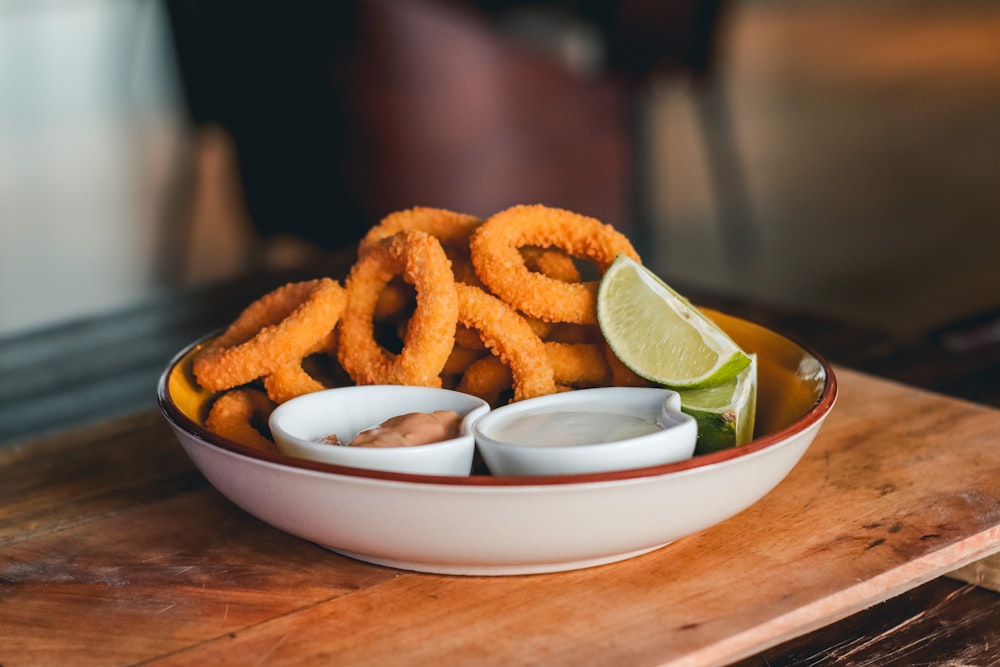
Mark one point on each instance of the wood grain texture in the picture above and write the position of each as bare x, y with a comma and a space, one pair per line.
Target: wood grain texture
112, 523
113, 549
941, 622
984, 573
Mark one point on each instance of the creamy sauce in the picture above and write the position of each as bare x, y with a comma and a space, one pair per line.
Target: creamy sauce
568, 429
415, 428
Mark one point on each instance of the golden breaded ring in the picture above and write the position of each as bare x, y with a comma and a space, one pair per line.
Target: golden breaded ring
510, 338
395, 299
540, 327
234, 413
574, 365
461, 264
288, 382
450, 228
470, 337
430, 334
567, 332
487, 378
501, 267
461, 358
551, 262
272, 332
446, 226
578, 364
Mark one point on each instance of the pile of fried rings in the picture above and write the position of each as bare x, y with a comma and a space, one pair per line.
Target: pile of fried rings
496, 308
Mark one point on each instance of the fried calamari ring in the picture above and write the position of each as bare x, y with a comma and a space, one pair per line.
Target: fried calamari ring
486, 378
574, 365
397, 298
551, 262
430, 334
461, 358
461, 265
469, 338
272, 332
540, 327
234, 414
509, 337
501, 267
450, 228
578, 364
447, 226
566, 332
288, 382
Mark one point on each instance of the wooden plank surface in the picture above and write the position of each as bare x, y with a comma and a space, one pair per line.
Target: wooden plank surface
939, 623
984, 573
113, 550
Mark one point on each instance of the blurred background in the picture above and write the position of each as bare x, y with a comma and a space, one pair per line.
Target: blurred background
836, 156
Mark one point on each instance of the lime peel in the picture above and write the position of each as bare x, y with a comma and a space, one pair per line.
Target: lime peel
725, 414
659, 335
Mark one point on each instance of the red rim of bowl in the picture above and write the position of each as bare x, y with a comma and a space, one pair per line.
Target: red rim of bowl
175, 416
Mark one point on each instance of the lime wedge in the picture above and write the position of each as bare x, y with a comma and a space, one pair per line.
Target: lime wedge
725, 414
659, 335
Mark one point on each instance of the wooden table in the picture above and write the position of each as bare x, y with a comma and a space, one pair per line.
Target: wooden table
114, 550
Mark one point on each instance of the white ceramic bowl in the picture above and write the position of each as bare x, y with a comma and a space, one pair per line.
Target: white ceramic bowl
484, 524
297, 426
674, 441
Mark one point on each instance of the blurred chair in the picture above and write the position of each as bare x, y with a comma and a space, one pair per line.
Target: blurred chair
343, 112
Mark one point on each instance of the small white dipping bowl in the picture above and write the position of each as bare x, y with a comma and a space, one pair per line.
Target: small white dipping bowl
298, 426
504, 455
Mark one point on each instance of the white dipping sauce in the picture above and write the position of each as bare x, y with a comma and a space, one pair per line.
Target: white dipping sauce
568, 429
